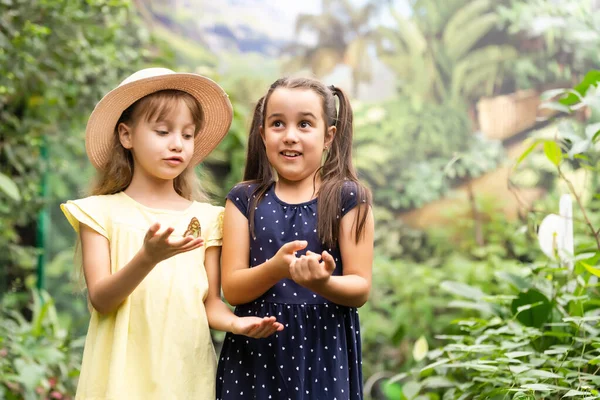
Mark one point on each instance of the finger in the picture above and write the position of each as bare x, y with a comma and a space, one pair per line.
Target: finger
194, 244
180, 242
329, 261
267, 332
313, 255
264, 329
152, 231
294, 246
164, 235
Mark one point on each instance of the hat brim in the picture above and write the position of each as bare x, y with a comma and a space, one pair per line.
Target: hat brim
217, 113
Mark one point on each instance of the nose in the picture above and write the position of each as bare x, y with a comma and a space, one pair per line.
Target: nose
291, 136
176, 143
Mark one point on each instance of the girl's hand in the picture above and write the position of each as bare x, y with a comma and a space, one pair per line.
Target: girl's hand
287, 254
159, 246
256, 327
312, 270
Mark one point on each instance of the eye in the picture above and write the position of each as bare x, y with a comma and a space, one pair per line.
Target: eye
305, 124
188, 136
162, 133
277, 124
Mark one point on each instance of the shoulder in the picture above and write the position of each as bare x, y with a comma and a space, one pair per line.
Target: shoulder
97, 203
242, 190
355, 191
207, 209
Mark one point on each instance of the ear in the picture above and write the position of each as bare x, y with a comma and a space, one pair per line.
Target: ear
125, 135
329, 136
261, 129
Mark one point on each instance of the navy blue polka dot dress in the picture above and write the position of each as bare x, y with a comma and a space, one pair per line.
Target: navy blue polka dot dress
318, 354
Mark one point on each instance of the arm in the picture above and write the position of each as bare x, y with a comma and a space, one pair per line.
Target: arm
107, 291
353, 288
220, 316
242, 284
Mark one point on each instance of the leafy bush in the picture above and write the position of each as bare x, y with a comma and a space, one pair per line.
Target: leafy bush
38, 359
539, 336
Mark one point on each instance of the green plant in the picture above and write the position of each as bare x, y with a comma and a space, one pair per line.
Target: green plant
404, 153
539, 336
57, 58
38, 358
440, 54
557, 41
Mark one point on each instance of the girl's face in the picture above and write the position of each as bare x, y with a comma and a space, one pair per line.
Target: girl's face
295, 133
163, 148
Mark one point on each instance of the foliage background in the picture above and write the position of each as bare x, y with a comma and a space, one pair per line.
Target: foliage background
445, 94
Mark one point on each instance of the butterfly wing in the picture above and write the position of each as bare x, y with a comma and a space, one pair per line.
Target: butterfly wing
193, 228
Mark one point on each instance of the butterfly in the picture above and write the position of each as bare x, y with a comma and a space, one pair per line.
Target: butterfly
193, 228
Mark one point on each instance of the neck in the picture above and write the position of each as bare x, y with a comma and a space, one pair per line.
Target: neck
151, 189
301, 191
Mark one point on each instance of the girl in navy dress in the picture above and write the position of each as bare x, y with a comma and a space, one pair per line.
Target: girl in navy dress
297, 245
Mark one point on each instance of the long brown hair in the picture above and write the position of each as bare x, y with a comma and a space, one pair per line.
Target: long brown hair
336, 171
117, 174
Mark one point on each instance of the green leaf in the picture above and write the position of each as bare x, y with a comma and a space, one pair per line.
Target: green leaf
573, 393
549, 94
544, 387
518, 369
516, 281
9, 187
421, 348
592, 130
527, 151
591, 79
411, 390
517, 354
531, 308
538, 373
553, 152
555, 106
590, 269
393, 391
436, 364
462, 290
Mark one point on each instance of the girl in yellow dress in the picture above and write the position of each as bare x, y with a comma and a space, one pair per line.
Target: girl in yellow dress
150, 250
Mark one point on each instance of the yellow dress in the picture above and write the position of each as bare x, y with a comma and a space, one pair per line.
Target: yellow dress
157, 345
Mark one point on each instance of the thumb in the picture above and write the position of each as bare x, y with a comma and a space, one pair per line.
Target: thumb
294, 246
329, 261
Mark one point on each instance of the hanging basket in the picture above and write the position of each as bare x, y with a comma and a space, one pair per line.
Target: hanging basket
502, 117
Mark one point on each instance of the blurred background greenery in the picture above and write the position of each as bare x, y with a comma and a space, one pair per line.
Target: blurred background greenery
446, 94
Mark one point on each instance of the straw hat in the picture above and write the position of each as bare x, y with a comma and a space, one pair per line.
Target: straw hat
217, 112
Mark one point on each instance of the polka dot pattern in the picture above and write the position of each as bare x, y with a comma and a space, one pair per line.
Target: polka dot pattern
318, 354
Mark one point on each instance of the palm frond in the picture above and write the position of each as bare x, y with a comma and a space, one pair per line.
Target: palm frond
463, 41
463, 17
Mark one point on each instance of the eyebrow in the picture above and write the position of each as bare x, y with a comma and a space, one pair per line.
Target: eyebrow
304, 114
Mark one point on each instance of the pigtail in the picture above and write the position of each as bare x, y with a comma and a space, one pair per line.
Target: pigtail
337, 171
257, 169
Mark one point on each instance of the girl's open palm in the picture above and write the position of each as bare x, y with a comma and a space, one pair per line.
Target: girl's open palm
256, 327
160, 246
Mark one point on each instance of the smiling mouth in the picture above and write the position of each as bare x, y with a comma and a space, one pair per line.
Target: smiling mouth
290, 154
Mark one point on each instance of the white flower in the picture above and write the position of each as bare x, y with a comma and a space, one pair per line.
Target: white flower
555, 234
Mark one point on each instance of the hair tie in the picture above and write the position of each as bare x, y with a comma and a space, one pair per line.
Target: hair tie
332, 88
